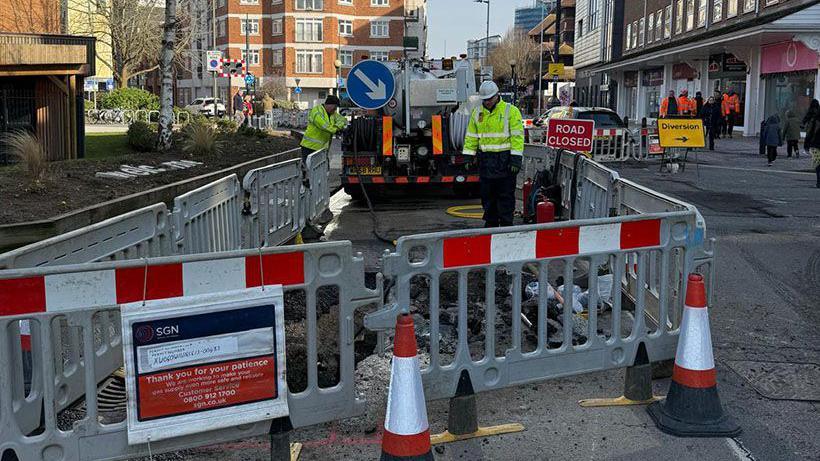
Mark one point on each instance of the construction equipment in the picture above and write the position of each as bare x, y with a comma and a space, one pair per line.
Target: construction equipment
417, 137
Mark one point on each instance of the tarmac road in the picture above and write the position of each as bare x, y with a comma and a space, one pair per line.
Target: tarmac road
765, 327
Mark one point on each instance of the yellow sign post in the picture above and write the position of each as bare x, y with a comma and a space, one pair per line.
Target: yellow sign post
556, 70
681, 132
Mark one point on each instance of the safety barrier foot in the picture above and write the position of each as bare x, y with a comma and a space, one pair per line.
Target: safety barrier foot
637, 386
462, 418
280, 446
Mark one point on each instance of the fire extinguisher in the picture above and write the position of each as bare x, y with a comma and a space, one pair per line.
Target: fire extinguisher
544, 212
527, 190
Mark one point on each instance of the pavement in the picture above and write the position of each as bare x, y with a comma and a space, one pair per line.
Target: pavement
765, 329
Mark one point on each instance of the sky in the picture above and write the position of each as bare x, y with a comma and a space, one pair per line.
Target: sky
451, 23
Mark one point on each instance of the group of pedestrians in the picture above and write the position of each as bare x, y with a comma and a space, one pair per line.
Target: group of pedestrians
243, 107
719, 112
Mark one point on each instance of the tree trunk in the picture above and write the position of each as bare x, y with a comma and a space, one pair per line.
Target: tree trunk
166, 97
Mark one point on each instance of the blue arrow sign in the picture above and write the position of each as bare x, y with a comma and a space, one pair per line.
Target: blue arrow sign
370, 84
249, 79
298, 90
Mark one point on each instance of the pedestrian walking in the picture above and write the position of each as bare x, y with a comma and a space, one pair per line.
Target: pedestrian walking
239, 108
247, 110
711, 116
267, 104
731, 110
495, 138
814, 110
698, 104
669, 105
771, 137
719, 101
685, 105
791, 134
813, 142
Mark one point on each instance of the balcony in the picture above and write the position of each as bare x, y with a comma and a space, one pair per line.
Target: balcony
30, 54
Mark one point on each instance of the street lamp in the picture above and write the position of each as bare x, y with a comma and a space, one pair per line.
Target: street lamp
514, 83
338, 65
487, 36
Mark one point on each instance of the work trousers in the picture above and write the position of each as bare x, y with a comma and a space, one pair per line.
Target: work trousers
711, 133
730, 123
498, 201
793, 146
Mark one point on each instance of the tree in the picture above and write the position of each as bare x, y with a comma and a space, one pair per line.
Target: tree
166, 97
518, 47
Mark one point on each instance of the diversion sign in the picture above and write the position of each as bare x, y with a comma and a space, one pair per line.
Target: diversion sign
203, 363
682, 132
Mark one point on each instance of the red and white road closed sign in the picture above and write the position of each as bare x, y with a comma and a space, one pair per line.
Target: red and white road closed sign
570, 134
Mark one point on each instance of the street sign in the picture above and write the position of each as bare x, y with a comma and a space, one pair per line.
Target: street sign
684, 132
249, 79
555, 69
212, 61
570, 134
298, 90
232, 67
200, 363
370, 84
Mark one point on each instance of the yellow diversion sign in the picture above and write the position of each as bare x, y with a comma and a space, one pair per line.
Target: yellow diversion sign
681, 133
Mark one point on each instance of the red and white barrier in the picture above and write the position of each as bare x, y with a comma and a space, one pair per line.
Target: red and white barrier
566, 241
406, 430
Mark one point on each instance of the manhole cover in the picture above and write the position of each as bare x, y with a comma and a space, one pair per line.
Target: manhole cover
781, 380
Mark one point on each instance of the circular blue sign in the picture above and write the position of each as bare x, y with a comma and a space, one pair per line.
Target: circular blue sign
249, 79
298, 90
370, 84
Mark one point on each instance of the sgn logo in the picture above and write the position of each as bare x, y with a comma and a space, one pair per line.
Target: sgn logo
164, 332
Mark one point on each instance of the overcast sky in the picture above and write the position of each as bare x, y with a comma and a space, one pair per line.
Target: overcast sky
452, 22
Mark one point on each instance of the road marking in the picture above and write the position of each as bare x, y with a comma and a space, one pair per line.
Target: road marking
739, 450
759, 170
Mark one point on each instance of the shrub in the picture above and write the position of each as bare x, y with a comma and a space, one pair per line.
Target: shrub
28, 150
200, 139
142, 136
130, 99
226, 126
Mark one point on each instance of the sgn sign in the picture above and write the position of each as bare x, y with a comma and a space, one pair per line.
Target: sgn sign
570, 134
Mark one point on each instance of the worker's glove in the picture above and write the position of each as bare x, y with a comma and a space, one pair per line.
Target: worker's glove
515, 169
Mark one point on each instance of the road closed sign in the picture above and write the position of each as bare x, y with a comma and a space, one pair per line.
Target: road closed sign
197, 364
570, 134
683, 132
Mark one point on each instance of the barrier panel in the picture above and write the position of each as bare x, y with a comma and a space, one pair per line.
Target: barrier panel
595, 190
276, 213
209, 219
83, 301
318, 170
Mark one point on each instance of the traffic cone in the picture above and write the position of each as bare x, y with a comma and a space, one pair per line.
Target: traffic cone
692, 407
406, 430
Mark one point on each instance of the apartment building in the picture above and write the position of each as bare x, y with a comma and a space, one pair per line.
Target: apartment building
597, 41
527, 17
300, 43
764, 50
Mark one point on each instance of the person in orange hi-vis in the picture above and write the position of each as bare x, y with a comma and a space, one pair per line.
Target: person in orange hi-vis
731, 110
685, 105
669, 105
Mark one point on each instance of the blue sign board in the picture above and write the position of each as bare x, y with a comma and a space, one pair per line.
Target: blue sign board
249, 79
298, 90
370, 84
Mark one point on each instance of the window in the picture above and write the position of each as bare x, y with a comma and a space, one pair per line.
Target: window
380, 29
667, 25
308, 30
749, 6
641, 30
717, 10
253, 59
702, 13
276, 2
221, 27
579, 31
634, 34
248, 2
592, 22
221, 4
276, 27
658, 25
253, 24
690, 14
346, 56
650, 28
679, 16
731, 9
278, 57
311, 5
346, 2
379, 2
629, 36
308, 62
346, 27
382, 56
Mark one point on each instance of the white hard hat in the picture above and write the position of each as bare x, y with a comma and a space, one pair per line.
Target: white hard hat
488, 89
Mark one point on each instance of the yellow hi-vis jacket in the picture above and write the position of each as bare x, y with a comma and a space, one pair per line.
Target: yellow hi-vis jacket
499, 138
321, 128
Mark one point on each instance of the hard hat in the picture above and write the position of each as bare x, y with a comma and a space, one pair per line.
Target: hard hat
488, 90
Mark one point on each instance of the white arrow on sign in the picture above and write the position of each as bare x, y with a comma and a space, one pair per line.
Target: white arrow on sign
376, 91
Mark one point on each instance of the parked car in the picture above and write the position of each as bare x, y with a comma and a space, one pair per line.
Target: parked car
205, 106
612, 137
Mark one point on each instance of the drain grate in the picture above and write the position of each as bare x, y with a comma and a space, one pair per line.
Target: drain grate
781, 380
111, 394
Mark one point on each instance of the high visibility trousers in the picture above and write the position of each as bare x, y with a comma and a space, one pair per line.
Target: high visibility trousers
498, 201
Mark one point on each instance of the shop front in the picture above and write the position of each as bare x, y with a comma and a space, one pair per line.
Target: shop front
728, 73
630, 84
651, 83
790, 75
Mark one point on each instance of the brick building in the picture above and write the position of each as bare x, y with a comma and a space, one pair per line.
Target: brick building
765, 50
41, 76
299, 42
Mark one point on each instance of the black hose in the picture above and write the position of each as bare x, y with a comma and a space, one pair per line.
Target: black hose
360, 130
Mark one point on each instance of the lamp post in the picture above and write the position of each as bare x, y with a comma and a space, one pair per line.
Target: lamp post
514, 83
541, 62
338, 65
487, 35
556, 55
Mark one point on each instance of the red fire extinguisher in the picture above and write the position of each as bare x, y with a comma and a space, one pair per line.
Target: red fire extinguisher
544, 212
527, 190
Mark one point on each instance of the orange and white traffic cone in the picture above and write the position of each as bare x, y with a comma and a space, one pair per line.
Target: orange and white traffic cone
406, 430
692, 407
